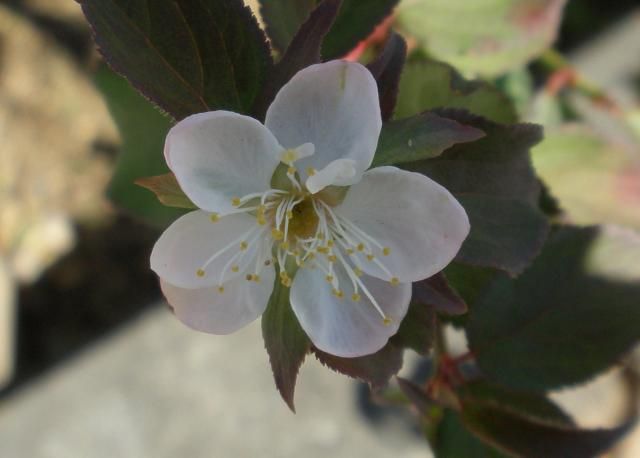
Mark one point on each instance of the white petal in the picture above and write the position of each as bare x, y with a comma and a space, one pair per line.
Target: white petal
334, 106
219, 155
343, 327
185, 246
420, 222
339, 172
208, 310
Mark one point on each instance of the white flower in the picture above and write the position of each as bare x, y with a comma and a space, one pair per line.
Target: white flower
297, 192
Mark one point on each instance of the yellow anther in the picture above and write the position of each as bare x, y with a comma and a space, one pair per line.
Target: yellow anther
355, 297
221, 289
283, 275
323, 250
244, 246
235, 268
289, 156
289, 214
311, 256
291, 170
277, 234
330, 243
357, 271
286, 282
249, 277
236, 201
332, 258
360, 247
214, 217
261, 220
350, 251
386, 251
285, 245
311, 171
394, 281
329, 278
200, 273
256, 278
337, 293
387, 321
370, 257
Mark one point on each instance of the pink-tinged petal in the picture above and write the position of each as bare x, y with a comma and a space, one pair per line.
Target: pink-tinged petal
180, 254
342, 326
215, 312
333, 105
219, 155
418, 223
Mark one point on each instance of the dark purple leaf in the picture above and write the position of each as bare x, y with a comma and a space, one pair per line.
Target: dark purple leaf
188, 56
285, 341
375, 369
436, 292
386, 69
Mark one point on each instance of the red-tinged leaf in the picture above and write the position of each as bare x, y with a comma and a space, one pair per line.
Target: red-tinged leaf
525, 437
386, 69
493, 180
167, 190
303, 51
417, 395
436, 292
285, 342
188, 56
571, 315
375, 369
420, 137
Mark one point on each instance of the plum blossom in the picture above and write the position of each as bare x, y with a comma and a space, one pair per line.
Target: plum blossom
293, 199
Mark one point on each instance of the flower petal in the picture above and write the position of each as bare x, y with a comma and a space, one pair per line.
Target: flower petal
208, 310
219, 155
341, 326
192, 239
339, 172
419, 222
334, 106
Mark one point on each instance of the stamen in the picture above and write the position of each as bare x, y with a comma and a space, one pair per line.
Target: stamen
221, 289
200, 273
311, 171
214, 217
289, 156
394, 281
236, 201
386, 251
355, 297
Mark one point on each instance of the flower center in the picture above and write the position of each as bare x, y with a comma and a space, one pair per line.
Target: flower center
293, 224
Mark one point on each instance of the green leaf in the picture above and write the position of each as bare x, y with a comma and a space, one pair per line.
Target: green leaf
375, 369
387, 69
494, 181
167, 190
489, 37
534, 406
428, 84
303, 51
573, 161
357, 20
571, 315
417, 329
285, 342
436, 292
143, 129
187, 57
530, 438
283, 18
420, 137
453, 440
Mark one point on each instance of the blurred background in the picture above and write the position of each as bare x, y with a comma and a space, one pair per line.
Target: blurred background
92, 364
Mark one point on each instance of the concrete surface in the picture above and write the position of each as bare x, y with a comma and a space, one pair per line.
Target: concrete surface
158, 389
